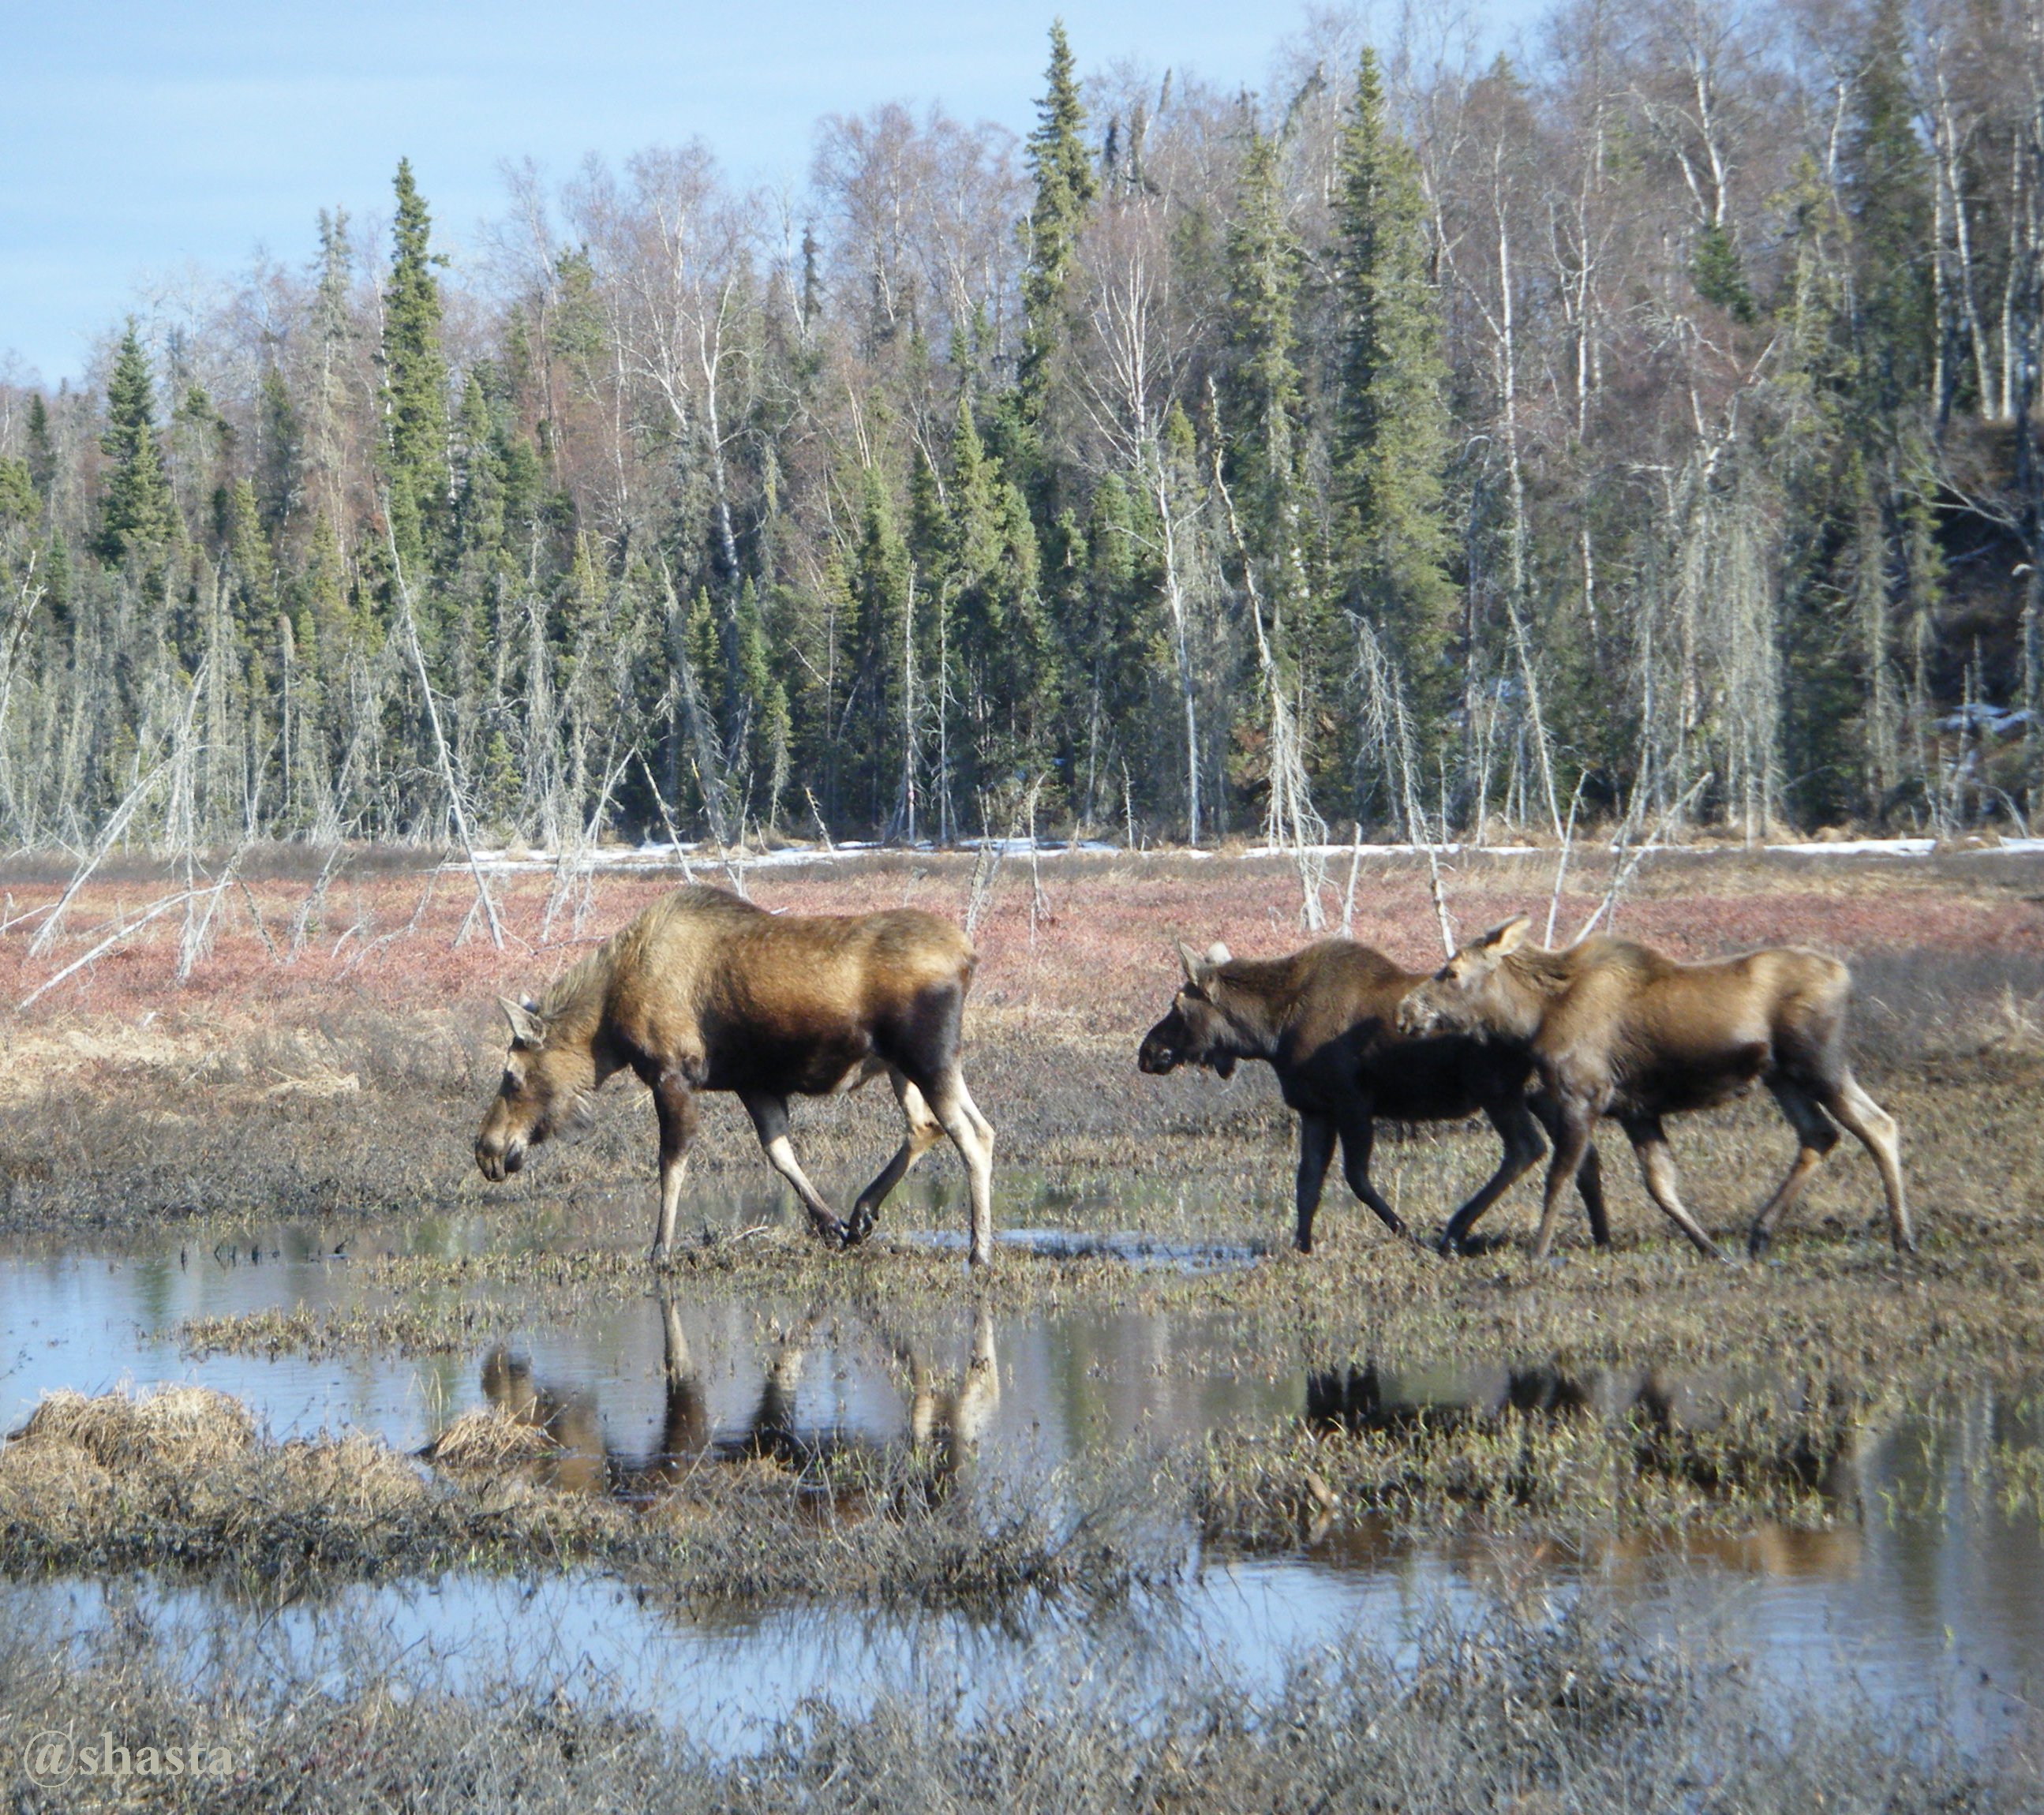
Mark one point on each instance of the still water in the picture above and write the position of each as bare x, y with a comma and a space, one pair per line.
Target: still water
1923, 1589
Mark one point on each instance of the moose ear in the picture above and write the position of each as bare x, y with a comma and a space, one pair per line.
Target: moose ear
527, 1030
1503, 940
1197, 969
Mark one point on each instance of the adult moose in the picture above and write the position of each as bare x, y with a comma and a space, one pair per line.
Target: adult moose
1617, 1029
705, 991
1325, 1020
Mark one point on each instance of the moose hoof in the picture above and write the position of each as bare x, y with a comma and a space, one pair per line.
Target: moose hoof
857, 1229
832, 1233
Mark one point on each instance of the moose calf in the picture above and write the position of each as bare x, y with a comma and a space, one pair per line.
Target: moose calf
1617, 1029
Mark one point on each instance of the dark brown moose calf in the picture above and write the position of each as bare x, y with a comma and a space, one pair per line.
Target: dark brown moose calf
1617, 1029
1325, 1020
706, 992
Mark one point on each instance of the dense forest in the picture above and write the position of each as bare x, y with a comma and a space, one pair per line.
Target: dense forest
1641, 429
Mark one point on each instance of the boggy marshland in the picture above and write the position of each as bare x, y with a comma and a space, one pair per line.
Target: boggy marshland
414, 1489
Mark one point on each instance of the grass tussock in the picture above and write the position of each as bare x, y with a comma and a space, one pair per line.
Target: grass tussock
180, 1478
182, 1427
487, 1442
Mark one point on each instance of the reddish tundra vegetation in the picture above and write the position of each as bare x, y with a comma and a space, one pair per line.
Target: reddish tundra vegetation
1087, 955
333, 1047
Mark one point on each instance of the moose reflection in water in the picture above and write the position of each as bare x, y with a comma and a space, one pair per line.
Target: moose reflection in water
946, 1416
1718, 1436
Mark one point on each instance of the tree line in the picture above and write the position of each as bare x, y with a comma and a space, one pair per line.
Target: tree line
1644, 428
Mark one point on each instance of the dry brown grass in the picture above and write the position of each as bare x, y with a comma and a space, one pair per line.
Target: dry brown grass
487, 1442
180, 1478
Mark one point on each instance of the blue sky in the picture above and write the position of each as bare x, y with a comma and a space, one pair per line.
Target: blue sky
142, 139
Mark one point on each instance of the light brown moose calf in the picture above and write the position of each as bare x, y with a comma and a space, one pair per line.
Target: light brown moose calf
1617, 1029
705, 991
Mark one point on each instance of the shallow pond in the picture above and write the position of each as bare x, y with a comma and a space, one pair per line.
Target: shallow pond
1922, 1587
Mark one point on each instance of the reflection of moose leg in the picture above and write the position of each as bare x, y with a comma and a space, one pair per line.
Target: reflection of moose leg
925, 1132
948, 1424
684, 1430
772, 1432
972, 1135
1523, 1148
1817, 1135
674, 1103
979, 1393
1358, 1134
1874, 1129
1316, 1148
770, 1122
1657, 1167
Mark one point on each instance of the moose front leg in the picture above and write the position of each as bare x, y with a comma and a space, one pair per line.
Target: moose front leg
1571, 1129
1316, 1147
674, 1103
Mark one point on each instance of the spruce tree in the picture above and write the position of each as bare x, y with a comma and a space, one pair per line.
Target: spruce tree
19, 505
1264, 399
278, 450
415, 378
1063, 174
1392, 431
42, 448
135, 514
1886, 185
879, 582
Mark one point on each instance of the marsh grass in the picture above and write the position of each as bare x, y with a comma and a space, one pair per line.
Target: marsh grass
1567, 1475
181, 1478
1516, 1711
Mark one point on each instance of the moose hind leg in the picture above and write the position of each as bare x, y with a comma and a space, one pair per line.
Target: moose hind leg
1316, 1148
1359, 1138
1816, 1136
1656, 1168
972, 1135
770, 1122
925, 1132
674, 1105
1875, 1129
1523, 1148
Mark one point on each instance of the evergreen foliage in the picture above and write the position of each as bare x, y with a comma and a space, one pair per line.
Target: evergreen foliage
136, 518
1662, 408
415, 379
1391, 430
